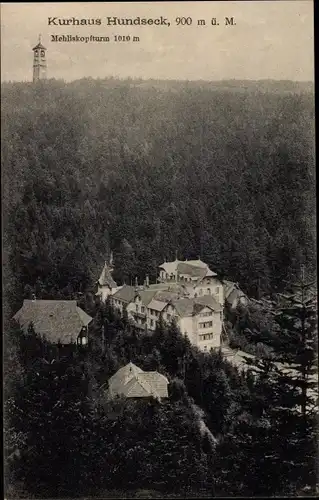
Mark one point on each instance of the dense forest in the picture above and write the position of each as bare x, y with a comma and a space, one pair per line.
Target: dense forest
146, 170
65, 437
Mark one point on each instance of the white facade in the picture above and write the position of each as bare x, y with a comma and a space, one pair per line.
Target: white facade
203, 328
210, 286
189, 293
106, 285
195, 276
105, 291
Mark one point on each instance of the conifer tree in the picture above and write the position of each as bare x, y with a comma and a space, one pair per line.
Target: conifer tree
284, 392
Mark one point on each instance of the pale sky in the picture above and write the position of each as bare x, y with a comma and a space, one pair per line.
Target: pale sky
271, 39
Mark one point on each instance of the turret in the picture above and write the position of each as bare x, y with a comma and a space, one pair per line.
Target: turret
39, 62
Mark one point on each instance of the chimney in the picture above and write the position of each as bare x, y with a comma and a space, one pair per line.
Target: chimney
147, 281
33, 297
111, 259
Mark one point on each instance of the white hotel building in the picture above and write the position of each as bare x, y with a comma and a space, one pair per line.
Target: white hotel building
187, 292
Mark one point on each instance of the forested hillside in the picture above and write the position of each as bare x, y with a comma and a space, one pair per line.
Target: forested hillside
146, 170
65, 438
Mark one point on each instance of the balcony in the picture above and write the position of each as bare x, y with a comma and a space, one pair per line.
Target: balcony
140, 315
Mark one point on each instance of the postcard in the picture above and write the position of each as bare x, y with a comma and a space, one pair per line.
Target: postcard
159, 249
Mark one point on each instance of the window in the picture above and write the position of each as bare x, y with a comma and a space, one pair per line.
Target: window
201, 291
152, 322
217, 289
157, 314
205, 314
142, 309
206, 336
205, 347
83, 340
208, 291
207, 324
42, 53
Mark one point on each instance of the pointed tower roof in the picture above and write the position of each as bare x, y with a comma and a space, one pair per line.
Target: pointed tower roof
105, 278
39, 45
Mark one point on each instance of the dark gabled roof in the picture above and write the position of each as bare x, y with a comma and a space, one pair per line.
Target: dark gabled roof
184, 307
125, 293
189, 307
191, 270
157, 305
147, 296
56, 320
208, 301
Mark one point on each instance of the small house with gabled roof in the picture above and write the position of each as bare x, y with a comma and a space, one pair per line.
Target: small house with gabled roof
60, 322
131, 381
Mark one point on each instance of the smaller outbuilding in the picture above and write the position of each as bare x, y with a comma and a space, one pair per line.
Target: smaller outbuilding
131, 381
58, 321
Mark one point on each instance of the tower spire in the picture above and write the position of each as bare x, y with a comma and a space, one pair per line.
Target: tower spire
39, 61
